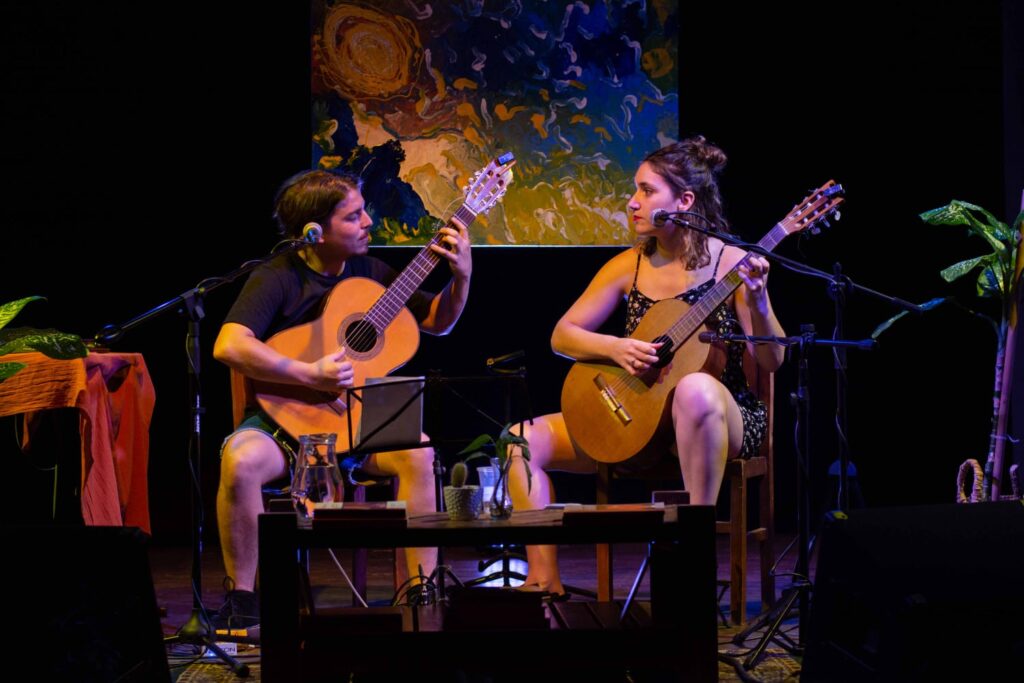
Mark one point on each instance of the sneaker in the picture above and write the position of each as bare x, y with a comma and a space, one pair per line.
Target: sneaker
240, 612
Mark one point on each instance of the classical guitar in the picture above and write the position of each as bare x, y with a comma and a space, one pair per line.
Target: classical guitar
612, 415
373, 324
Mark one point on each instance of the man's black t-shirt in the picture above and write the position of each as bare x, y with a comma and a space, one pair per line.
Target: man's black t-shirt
285, 292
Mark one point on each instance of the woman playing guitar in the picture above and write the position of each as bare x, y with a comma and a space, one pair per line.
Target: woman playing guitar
713, 418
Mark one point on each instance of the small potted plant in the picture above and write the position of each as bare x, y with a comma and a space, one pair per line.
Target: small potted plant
501, 502
462, 501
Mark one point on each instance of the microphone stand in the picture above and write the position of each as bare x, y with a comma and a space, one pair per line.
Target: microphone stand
839, 286
190, 304
800, 399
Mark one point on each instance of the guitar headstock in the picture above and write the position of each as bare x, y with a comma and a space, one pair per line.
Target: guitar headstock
488, 186
815, 209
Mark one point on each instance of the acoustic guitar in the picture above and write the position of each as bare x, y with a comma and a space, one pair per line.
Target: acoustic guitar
613, 416
373, 324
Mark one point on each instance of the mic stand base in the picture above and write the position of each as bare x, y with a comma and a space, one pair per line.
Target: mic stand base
784, 609
196, 632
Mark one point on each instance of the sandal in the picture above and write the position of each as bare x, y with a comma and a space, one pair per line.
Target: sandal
545, 595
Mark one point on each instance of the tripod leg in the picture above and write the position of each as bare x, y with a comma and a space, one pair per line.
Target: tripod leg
636, 585
506, 573
575, 590
761, 620
241, 670
778, 614
195, 632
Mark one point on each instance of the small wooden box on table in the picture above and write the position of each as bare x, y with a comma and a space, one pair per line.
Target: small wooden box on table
676, 631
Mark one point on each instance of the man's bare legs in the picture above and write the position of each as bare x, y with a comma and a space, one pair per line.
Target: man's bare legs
415, 473
252, 458
249, 460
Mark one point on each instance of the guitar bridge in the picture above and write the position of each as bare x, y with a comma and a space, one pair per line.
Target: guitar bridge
611, 401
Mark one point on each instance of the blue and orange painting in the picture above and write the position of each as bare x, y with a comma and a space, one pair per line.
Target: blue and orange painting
415, 97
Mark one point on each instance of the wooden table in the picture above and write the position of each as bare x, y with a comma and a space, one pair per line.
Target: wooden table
676, 631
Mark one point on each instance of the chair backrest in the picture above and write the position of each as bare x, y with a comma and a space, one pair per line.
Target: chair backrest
762, 383
242, 397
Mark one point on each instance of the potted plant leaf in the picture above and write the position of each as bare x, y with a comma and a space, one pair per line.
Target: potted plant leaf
501, 502
49, 342
998, 278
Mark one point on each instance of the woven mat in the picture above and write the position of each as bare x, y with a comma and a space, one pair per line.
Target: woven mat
214, 672
777, 665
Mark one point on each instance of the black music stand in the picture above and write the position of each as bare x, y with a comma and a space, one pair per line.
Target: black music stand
517, 375
435, 581
496, 373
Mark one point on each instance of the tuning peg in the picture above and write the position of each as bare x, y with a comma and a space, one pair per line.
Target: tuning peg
824, 223
836, 215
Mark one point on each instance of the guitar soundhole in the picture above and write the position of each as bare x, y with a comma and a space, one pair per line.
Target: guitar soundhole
665, 352
360, 336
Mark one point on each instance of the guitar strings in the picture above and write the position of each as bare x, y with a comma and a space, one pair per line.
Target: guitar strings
687, 325
384, 310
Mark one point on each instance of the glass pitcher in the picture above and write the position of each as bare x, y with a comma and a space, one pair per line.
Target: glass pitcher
317, 478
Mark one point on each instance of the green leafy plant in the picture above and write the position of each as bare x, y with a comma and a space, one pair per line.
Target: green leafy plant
502, 447
501, 504
998, 278
49, 342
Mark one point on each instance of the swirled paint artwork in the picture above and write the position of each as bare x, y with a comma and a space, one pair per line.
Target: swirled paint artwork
416, 96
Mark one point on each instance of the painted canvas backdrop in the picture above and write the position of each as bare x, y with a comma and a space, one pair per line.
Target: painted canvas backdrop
416, 96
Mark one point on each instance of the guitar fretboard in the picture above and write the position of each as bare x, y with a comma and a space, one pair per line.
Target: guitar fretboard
409, 280
683, 328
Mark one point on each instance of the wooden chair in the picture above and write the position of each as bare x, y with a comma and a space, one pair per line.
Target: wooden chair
242, 399
738, 475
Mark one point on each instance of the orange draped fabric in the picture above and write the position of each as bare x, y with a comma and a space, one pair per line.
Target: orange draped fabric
115, 399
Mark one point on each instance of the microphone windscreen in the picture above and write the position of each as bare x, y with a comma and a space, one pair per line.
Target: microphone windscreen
312, 232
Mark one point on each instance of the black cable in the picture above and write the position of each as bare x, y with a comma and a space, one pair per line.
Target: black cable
425, 586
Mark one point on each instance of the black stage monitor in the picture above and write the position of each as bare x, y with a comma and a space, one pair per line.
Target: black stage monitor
80, 604
919, 594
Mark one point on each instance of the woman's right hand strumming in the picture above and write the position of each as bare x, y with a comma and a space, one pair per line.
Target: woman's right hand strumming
634, 355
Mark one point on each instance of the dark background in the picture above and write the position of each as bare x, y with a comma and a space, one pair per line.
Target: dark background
141, 148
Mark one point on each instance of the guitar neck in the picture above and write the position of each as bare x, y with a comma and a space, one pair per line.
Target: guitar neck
409, 280
682, 329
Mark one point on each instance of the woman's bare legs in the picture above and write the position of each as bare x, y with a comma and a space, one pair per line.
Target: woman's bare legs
550, 449
709, 431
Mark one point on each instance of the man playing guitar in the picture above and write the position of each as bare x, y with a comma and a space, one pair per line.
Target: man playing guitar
289, 291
